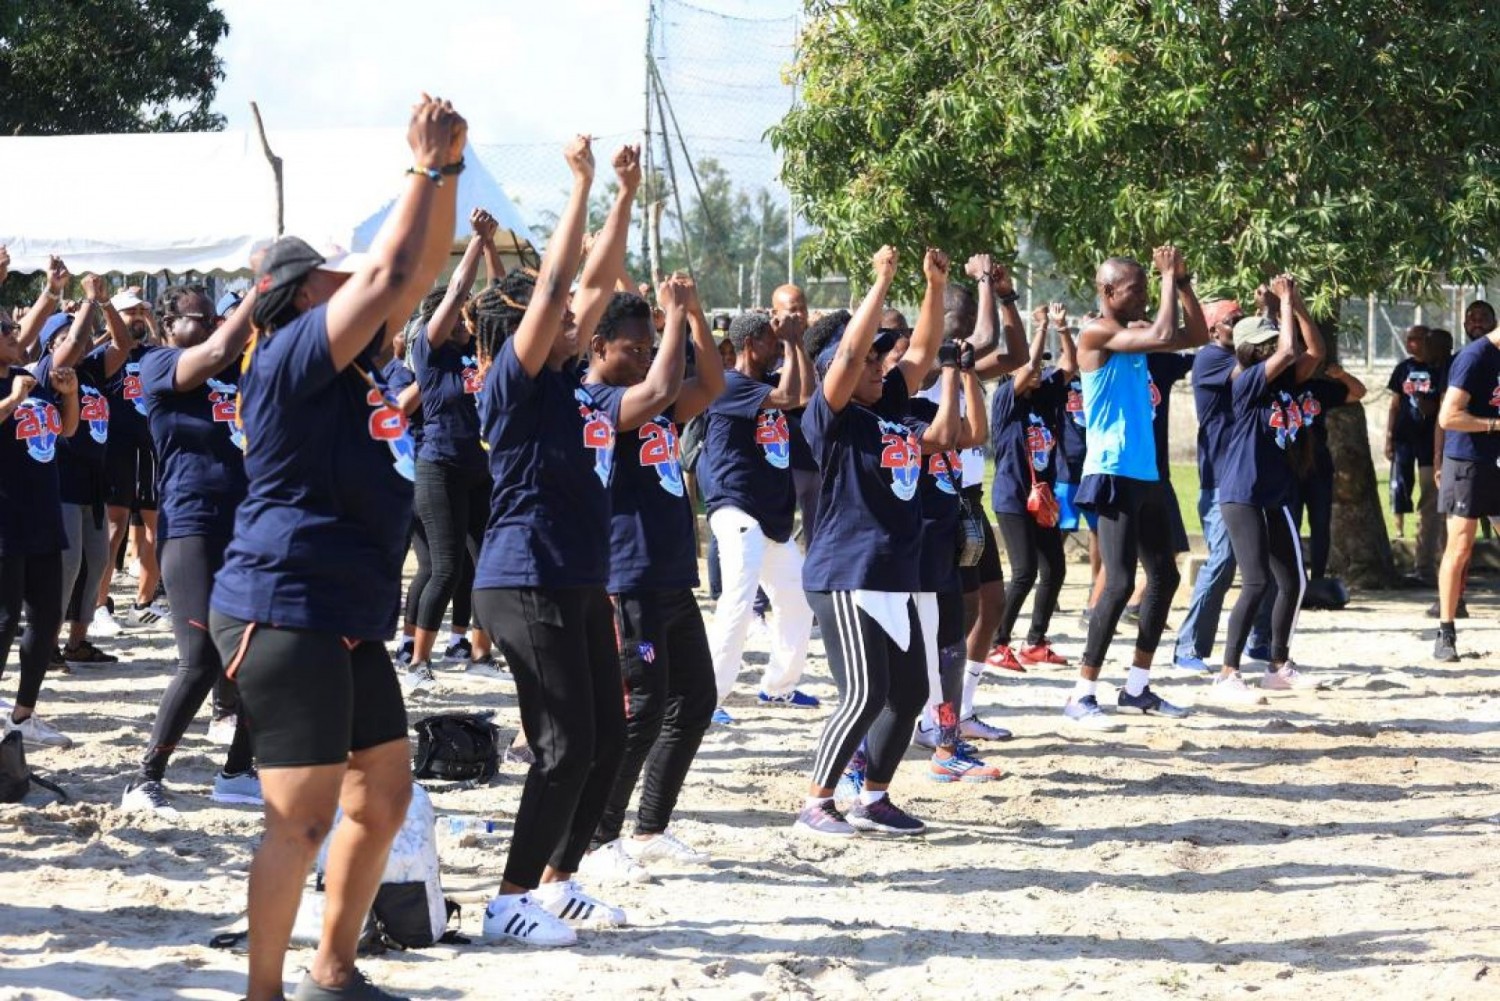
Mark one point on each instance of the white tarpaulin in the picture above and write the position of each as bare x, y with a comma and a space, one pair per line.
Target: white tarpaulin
199, 201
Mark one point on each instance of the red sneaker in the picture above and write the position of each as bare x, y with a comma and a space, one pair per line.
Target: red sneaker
1042, 653
1003, 659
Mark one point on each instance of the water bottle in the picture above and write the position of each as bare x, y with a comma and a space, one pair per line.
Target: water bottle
459, 825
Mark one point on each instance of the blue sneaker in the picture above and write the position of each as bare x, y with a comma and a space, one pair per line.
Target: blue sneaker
961, 767
721, 717
1087, 715
1191, 662
793, 698
1148, 702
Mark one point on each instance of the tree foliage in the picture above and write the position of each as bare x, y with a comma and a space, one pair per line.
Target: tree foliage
1351, 143
79, 66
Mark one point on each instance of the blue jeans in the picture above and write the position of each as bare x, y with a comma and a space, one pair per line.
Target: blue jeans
1196, 636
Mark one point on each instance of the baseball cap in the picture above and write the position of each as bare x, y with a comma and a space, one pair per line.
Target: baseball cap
1219, 310
883, 342
56, 323
1255, 330
126, 300
227, 303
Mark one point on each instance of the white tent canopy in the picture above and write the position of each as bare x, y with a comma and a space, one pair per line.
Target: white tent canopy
199, 201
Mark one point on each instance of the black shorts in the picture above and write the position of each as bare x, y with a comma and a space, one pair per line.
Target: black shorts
988, 569
1469, 489
130, 467
311, 697
950, 618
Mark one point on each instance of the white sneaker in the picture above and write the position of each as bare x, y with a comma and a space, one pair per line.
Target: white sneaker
416, 679
148, 797
1289, 679
925, 736
104, 623
35, 730
487, 667
221, 730
1232, 691
566, 900
238, 789
518, 918
148, 615
612, 863
664, 847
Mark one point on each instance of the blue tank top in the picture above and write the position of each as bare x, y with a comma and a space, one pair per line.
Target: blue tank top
1117, 411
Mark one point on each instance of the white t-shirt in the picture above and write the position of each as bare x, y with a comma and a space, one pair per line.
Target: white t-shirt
973, 458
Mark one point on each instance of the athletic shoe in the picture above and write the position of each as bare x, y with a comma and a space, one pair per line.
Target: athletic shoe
1289, 679
243, 788
486, 667
1258, 651
458, 650
611, 863
403, 652
1191, 662
1002, 658
795, 697
35, 730
148, 797
926, 736
521, 754
824, 820
1086, 714
664, 847
1084, 617
104, 624
1149, 703
1041, 653
147, 615
1232, 691
884, 817
517, 918
1445, 649
85, 654
721, 717
566, 900
356, 988
416, 679
1435, 610
221, 730
960, 767
971, 727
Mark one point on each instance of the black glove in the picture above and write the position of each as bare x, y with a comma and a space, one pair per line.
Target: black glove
966, 357
948, 354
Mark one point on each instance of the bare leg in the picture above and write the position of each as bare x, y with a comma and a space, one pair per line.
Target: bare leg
119, 527
145, 551
1455, 566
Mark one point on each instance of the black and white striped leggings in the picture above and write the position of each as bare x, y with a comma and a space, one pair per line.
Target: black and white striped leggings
882, 688
1265, 546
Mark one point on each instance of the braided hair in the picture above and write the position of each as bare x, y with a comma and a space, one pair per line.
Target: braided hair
498, 310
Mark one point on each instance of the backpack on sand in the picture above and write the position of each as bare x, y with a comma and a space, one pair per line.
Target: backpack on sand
457, 747
16, 776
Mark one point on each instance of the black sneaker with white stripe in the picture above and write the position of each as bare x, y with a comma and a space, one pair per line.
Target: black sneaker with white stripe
517, 918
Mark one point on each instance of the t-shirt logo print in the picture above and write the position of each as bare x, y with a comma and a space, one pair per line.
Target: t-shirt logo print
946, 469
131, 388
38, 424
1155, 394
1495, 398
901, 454
1286, 419
389, 424
94, 408
223, 400
775, 440
1039, 442
473, 381
662, 451
598, 434
1074, 405
1311, 409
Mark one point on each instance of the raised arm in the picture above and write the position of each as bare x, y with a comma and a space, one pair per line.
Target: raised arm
65, 382
542, 323
976, 414
708, 379
997, 286
444, 321
402, 258
928, 333
73, 345
606, 258
120, 342
1315, 350
21, 385
201, 362
47, 302
1159, 335
1067, 351
854, 349
1286, 345
946, 428
655, 393
1356, 388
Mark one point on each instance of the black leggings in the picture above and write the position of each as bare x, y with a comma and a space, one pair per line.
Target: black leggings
452, 503
1029, 545
1134, 527
188, 565
1315, 493
35, 584
560, 645
882, 688
670, 694
1265, 546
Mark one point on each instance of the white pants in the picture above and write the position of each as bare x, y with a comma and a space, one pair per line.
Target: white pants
747, 559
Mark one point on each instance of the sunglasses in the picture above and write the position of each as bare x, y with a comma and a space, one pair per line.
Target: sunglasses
200, 317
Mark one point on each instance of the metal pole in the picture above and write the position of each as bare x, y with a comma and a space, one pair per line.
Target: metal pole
648, 193
1370, 320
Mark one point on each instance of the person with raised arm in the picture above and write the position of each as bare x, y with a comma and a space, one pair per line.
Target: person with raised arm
311, 582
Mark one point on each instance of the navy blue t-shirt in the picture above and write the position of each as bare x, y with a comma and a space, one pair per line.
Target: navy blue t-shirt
746, 461
1024, 431
552, 450
1166, 369
127, 400
1264, 424
321, 538
1476, 370
1314, 399
1073, 437
868, 535
80, 460
1417, 383
200, 458
30, 508
450, 381
1212, 368
652, 544
942, 479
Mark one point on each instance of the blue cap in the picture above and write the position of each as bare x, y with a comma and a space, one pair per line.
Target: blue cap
883, 341
50, 329
227, 302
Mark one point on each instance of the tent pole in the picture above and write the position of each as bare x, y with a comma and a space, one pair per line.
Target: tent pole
276, 164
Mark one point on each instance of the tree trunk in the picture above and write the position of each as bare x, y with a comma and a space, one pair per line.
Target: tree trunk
1361, 548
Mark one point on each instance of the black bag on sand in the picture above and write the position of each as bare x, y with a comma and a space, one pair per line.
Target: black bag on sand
1325, 594
15, 776
457, 747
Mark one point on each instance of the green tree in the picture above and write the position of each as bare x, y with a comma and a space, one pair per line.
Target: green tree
1352, 144
78, 66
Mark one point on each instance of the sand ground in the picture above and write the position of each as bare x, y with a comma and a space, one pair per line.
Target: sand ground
1339, 845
